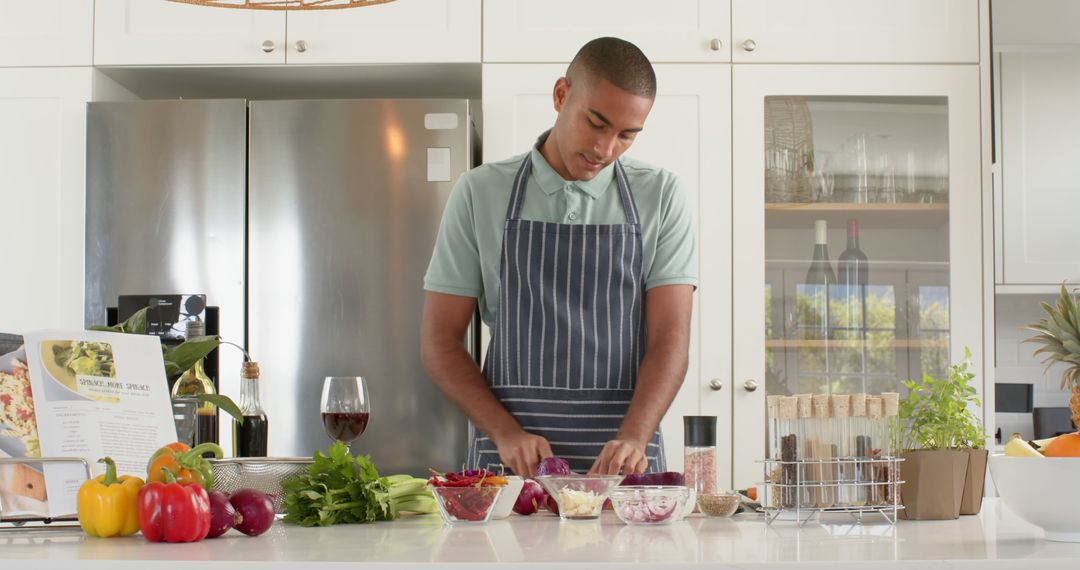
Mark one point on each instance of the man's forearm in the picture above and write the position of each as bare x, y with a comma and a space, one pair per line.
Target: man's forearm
457, 375
662, 371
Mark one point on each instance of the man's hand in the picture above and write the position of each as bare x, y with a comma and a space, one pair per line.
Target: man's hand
620, 454
522, 451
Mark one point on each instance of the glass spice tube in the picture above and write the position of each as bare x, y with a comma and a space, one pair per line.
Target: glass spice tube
877, 435
699, 453
844, 470
789, 451
808, 496
772, 476
823, 450
860, 437
890, 403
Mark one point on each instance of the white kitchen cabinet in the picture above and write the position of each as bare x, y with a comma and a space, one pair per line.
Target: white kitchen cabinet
157, 32
1039, 146
404, 31
855, 31
46, 33
686, 133
553, 30
898, 150
43, 158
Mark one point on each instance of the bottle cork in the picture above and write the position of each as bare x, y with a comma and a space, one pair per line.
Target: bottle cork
772, 406
249, 370
873, 407
789, 408
820, 403
858, 405
890, 403
805, 405
841, 405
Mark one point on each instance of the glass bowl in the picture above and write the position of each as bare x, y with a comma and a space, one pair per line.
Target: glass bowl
650, 504
466, 505
720, 504
579, 496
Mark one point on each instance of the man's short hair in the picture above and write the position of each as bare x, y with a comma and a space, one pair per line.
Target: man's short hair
619, 62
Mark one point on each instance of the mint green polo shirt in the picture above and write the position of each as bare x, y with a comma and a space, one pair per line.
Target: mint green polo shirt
467, 250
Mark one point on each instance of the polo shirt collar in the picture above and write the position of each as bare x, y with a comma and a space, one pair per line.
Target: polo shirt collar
551, 182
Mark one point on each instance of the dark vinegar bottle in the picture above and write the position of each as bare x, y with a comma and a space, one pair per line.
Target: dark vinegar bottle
250, 437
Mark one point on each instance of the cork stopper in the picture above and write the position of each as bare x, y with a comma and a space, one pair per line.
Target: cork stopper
841, 406
249, 370
806, 407
789, 408
772, 405
873, 407
858, 405
820, 403
891, 403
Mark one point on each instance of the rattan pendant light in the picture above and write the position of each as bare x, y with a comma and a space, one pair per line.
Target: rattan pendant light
284, 4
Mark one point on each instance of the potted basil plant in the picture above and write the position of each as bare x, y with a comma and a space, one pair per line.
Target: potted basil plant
943, 445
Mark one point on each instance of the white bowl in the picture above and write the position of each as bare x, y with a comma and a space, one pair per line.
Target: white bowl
1041, 490
505, 505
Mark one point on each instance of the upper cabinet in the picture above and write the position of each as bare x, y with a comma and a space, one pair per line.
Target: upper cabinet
46, 33
855, 31
144, 32
404, 31
553, 30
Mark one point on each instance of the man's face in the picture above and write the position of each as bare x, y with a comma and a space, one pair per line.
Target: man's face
597, 123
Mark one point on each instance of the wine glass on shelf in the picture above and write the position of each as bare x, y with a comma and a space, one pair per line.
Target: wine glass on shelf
345, 407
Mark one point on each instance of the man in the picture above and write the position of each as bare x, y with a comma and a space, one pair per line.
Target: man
583, 267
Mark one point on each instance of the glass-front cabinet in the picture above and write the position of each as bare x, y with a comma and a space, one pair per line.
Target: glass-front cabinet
856, 253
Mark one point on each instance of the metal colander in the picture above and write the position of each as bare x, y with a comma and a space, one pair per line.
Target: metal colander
263, 474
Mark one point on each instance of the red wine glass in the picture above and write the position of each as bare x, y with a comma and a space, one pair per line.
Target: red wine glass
345, 407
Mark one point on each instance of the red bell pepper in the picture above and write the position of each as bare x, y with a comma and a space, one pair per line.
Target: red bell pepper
174, 512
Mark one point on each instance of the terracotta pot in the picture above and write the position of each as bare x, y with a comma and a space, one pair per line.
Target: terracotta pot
933, 487
974, 482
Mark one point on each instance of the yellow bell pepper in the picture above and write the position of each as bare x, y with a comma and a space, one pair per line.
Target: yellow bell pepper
108, 505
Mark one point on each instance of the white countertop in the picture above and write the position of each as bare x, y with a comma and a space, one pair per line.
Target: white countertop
994, 538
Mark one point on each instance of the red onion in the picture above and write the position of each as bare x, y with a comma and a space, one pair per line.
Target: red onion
530, 499
256, 509
223, 515
553, 466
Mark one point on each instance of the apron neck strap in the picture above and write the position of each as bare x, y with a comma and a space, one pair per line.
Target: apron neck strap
521, 180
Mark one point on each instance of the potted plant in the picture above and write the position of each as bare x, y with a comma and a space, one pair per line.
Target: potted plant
1059, 335
942, 443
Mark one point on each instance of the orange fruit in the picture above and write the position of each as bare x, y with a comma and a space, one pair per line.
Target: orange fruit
1067, 445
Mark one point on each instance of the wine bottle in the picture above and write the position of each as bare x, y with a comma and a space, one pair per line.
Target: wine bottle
249, 437
821, 271
853, 270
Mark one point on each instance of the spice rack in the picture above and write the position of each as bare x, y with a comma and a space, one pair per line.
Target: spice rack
801, 491
832, 453
24, 522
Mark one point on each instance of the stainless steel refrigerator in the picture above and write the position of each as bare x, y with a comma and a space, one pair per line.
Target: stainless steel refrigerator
310, 224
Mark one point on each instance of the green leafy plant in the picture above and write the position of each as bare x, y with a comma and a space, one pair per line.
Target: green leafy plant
1059, 334
936, 414
178, 359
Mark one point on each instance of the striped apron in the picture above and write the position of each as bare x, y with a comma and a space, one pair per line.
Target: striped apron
569, 333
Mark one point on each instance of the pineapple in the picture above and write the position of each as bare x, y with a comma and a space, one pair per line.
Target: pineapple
1059, 335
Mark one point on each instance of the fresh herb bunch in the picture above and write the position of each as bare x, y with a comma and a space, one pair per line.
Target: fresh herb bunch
1059, 335
936, 413
339, 488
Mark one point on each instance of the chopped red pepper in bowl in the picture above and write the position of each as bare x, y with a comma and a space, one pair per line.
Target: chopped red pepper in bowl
466, 496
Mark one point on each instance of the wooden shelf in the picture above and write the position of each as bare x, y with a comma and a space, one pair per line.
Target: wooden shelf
901, 343
870, 216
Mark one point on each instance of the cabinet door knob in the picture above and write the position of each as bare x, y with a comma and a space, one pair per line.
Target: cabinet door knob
301, 46
268, 46
749, 45
716, 384
715, 44
750, 385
